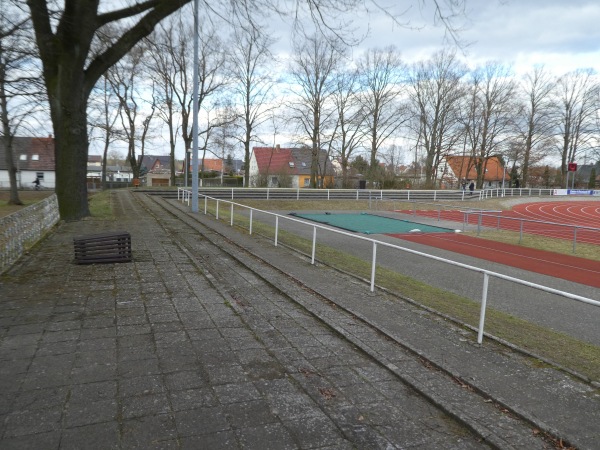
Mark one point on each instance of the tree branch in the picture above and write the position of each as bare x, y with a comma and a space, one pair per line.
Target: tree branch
159, 10
131, 11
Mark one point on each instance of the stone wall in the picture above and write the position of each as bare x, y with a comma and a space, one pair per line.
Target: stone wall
21, 230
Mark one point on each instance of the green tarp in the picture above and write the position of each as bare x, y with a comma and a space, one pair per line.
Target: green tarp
370, 223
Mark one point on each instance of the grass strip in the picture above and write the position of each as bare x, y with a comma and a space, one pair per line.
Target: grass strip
100, 204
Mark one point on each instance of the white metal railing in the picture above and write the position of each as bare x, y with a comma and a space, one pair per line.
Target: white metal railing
364, 194
21, 230
374, 242
537, 223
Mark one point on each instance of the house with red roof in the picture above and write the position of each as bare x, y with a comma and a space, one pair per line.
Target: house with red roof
34, 158
456, 170
288, 167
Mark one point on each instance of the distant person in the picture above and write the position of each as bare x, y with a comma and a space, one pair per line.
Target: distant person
464, 185
36, 183
517, 184
471, 187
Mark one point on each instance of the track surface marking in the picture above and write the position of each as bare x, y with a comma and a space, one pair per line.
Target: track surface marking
578, 270
561, 218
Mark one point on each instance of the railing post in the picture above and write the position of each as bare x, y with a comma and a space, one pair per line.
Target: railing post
408, 195
231, 223
373, 265
298, 193
314, 246
486, 279
205, 205
276, 229
251, 210
217, 212
521, 232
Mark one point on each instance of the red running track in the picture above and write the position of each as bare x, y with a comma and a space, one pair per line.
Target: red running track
572, 268
564, 217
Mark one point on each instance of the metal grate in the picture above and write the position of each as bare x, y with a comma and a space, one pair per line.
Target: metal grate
110, 247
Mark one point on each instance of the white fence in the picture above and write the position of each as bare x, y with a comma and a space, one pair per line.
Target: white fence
21, 230
185, 195
365, 194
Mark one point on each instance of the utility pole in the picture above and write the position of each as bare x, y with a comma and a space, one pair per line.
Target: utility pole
195, 116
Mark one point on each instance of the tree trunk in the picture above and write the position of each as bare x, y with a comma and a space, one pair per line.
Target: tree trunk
69, 117
12, 172
7, 138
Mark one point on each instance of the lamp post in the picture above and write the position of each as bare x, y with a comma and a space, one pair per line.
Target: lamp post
504, 175
195, 115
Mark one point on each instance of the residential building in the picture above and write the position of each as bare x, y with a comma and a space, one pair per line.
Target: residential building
459, 170
156, 170
34, 158
287, 167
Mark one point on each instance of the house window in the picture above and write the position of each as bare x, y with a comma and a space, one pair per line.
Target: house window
39, 175
23, 157
306, 181
291, 164
274, 181
35, 157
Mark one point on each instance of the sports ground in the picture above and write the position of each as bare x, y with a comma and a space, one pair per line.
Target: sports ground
568, 214
558, 220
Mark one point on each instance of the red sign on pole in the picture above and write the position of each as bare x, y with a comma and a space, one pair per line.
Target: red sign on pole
572, 167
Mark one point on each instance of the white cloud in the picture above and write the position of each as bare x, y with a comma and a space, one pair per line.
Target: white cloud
562, 35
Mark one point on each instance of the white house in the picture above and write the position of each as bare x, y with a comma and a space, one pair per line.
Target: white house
34, 158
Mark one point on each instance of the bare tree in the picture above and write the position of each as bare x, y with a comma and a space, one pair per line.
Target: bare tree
250, 67
64, 34
18, 88
171, 67
212, 81
534, 121
164, 68
349, 119
489, 114
314, 64
127, 82
64, 37
435, 92
382, 75
392, 156
577, 97
108, 111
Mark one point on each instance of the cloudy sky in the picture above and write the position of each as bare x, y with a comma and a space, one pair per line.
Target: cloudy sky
561, 34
